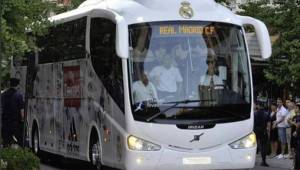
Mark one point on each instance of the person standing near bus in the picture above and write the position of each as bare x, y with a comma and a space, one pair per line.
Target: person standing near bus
261, 126
297, 134
281, 125
292, 122
291, 128
273, 131
12, 114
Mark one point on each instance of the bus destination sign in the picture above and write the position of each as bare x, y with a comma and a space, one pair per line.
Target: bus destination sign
186, 30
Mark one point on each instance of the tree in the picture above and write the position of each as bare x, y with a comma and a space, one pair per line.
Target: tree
17, 18
226, 2
282, 20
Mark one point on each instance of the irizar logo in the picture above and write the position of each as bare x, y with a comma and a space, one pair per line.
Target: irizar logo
196, 137
196, 127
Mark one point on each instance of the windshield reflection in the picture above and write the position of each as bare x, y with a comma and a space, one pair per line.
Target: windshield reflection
177, 65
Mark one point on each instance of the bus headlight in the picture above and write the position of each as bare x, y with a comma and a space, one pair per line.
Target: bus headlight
244, 143
138, 144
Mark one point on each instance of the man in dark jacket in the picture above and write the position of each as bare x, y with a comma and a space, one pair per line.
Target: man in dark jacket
261, 125
12, 114
297, 157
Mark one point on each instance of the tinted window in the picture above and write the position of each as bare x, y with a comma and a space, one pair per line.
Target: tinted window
65, 41
106, 63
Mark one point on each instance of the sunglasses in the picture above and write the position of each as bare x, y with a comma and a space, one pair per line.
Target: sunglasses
210, 61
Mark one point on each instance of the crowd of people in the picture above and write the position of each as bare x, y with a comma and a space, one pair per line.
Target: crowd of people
278, 131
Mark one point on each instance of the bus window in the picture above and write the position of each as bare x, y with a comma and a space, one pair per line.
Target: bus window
203, 62
63, 42
106, 63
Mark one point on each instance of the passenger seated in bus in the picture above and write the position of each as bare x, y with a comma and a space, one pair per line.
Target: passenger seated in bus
166, 77
211, 80
143, 90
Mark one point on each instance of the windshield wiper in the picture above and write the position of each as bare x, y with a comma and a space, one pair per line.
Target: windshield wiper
175, 103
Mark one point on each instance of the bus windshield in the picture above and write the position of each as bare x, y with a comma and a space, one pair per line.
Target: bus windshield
188, 71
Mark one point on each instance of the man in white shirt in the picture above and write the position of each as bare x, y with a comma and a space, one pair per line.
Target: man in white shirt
143, 90
166, 77
210, 79
281, 126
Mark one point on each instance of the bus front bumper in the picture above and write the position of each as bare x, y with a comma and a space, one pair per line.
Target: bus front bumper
222, 157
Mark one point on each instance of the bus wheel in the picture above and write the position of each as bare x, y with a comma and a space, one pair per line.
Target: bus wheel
35, 141
95, 152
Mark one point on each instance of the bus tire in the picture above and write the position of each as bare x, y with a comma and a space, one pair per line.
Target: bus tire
35, 143
95, 151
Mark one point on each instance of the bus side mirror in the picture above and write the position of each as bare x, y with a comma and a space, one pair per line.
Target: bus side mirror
122, 45
262, 34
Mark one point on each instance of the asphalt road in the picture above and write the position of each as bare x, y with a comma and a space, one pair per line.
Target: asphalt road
62, 164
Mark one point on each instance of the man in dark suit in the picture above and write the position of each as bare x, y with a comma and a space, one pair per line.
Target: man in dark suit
261, 125
13, 114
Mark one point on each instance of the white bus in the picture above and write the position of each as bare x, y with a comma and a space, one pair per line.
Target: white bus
144, 85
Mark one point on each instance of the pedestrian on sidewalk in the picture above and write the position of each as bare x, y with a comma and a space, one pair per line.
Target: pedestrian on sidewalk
292, 122
261, 126
297, 134
273, 131
290, 115
281, 125
293, 109
12, 114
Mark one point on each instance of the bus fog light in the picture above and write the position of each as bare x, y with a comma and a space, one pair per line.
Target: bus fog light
139, 160
246, 142
249, 158
138, 144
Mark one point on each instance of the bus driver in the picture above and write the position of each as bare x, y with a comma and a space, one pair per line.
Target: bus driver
143, 90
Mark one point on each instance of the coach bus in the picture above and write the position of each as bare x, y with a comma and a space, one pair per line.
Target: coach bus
144, 85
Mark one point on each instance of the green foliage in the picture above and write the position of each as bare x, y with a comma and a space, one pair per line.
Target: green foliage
223, 2
73, 4
16, 159
17, 18
282, 20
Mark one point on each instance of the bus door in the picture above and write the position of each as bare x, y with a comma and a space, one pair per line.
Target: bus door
106, 130
29, 86
102, 43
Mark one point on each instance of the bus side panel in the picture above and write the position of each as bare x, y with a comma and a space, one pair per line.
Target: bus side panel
75, 115
44, 92
58, 108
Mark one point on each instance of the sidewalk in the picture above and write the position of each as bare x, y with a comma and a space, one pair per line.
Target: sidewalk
274, 164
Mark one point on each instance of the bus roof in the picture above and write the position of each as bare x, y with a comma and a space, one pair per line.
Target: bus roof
139, 11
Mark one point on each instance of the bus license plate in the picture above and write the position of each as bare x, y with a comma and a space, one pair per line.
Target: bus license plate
196, 161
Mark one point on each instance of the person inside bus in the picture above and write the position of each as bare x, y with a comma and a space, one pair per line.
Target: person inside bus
166, 77
143, 89
211, 80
